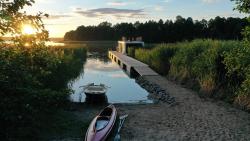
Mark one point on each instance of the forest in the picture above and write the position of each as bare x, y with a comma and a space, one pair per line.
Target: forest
163, 31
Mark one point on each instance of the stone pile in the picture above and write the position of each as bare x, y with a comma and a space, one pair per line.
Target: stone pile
156, 92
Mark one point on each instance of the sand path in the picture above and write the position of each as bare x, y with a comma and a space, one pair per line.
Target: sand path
191, 119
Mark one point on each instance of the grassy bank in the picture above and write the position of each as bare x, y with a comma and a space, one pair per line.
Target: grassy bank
219, 69
68, 124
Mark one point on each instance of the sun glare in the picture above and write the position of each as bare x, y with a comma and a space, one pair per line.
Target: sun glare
28, 29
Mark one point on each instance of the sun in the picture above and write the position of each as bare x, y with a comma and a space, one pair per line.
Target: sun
28, 29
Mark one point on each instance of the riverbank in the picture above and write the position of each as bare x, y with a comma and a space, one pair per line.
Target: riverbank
69, 124
191, 118
214, 68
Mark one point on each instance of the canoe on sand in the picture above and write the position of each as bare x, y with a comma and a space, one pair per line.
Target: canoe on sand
102, 124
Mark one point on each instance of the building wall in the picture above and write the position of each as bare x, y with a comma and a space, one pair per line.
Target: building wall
122, 46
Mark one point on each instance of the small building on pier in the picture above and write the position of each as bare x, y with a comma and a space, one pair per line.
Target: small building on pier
127, 46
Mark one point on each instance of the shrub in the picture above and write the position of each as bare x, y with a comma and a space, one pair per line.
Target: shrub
131, 51
209, 69
27, 89
237, 62
181, 63
158, 58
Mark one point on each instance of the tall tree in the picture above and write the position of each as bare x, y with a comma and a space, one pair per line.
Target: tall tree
12, 19
244, 7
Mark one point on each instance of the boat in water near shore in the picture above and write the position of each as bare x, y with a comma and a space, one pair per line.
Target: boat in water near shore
95, 93
97, 90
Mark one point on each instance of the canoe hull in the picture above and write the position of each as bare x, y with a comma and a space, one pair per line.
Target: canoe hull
94, 134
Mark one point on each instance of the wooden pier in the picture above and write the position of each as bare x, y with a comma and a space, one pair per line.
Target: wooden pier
131, 65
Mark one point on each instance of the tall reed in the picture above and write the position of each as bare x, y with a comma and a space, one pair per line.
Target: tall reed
219, 69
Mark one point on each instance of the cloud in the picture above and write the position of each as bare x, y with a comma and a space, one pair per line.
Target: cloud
117, 3
114, 12
59, 16
210, 1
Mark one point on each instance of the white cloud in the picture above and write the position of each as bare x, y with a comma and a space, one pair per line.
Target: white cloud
59, 16
114, 12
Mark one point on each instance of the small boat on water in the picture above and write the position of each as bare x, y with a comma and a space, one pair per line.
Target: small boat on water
92, 89
102, 124
95, 93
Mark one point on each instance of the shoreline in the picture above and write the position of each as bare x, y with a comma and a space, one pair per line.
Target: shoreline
190, 118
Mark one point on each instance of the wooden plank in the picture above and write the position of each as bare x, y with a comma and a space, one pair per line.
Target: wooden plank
127, 60
141, 68
145, 71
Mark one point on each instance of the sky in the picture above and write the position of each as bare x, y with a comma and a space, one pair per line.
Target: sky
66, 15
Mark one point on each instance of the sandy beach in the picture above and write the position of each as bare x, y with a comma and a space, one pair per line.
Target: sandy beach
190, 119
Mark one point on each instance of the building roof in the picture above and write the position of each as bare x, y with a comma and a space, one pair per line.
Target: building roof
131, 42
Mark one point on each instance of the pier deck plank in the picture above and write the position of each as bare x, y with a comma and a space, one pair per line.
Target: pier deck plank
141, 68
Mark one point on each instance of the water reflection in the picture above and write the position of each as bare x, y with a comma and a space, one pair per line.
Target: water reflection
101, 70
51, 43
70, 69
97, 65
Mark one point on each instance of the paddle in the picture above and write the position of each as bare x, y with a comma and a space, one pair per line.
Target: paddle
122, 119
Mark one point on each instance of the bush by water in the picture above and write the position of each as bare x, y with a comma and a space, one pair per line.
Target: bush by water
33, 83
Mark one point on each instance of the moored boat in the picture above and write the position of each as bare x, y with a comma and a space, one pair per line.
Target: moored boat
95, 94
101, 126
95, 90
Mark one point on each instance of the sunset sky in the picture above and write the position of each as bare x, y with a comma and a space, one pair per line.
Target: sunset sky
66, 15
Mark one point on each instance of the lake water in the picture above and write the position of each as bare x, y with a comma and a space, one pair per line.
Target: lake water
99, 69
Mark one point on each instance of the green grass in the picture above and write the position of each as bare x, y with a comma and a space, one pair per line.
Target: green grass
218, 69
68, 124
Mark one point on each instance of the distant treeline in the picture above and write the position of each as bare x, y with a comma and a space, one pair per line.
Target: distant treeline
168, 31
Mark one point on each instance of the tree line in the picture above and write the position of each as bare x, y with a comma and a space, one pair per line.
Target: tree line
163, 31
